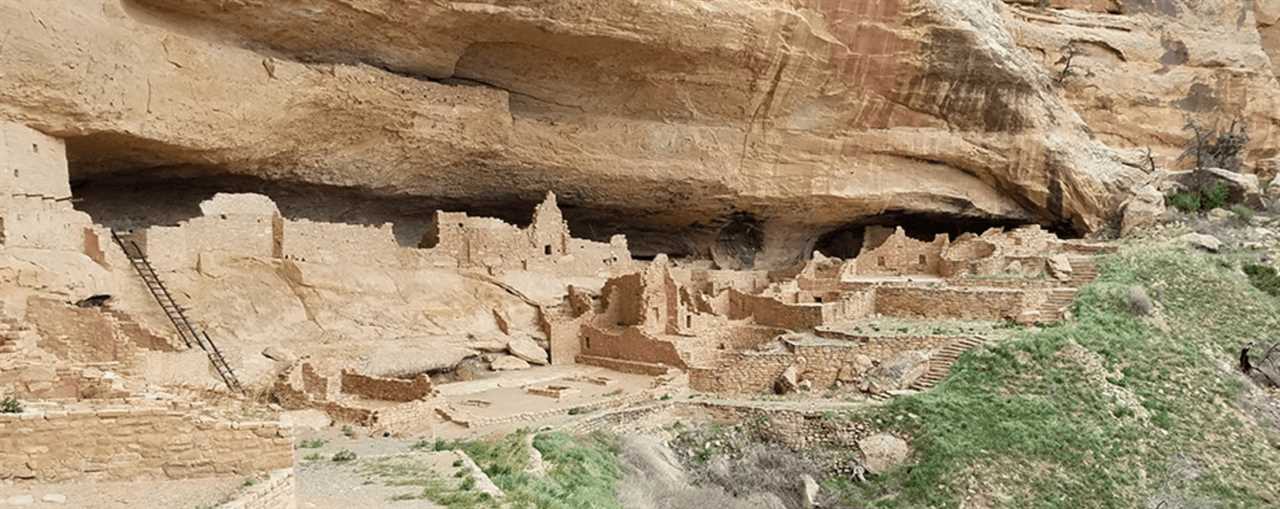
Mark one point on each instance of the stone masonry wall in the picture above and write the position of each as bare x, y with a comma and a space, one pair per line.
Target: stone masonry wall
774, 313
335, 243
278, 491
950, 303
385, 389
134, 443
629, 344
175, 248
821, 363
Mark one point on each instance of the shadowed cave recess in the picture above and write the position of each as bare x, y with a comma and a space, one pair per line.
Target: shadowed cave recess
126, 200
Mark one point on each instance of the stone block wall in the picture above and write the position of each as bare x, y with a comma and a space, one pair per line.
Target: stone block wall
32, 163
951, 303
175, 248
44, 381
334, 243
629, 344
772, 312
136, 443
278, 491
78, 334
820, 362
385, 389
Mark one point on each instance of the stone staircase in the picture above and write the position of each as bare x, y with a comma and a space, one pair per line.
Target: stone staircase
11, 332
15, 336
940, 364
1055, 308
1083, 271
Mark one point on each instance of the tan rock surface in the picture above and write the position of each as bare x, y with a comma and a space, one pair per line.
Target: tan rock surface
804, 116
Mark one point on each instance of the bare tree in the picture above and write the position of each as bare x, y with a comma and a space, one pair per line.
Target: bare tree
1217, 148
1069, 54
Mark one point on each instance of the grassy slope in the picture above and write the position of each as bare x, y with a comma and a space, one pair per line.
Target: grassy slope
1156, 419
583, 472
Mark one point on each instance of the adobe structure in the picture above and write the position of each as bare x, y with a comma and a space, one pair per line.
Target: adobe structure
203, 334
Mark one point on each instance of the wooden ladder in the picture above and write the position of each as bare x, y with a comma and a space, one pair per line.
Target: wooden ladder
191, 336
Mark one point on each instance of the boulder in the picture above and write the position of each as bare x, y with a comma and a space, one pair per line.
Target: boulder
1145, 208
898, 373
508, 363
279, 354
1273, 189
810, 490
1206, 242
788, 382
526, 348
1219, 214
1060, 267
881, 452
492, 343
1243, 186
1014, 267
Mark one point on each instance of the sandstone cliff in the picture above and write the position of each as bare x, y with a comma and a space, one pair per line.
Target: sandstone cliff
802, 114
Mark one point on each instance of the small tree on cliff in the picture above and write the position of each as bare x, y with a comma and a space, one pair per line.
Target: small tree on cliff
1217, 148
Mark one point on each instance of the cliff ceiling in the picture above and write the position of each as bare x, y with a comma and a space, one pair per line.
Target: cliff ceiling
802, 114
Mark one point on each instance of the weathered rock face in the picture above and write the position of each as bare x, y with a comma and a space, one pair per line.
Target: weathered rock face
803, 115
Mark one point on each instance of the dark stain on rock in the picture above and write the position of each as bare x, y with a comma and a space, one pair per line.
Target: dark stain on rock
965, 85
1199, 99
1162, 7
1175, 52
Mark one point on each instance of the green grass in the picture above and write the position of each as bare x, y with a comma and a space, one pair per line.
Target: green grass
583, 475
1263, 278
312, 444
1027, 424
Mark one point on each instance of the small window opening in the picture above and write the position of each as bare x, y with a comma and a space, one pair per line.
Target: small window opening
688, 322
35, 148
923, 260
818, 299
880, 261
15, 173
546, 249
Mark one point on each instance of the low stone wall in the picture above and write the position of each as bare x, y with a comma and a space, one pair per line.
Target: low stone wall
629, 344
134, 443
950, 303
42, 381
774, 313
278, 491
624, 366
385, 389
822, 364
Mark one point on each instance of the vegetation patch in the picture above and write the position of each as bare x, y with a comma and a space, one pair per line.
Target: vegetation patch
584, 470
1263, 278
10, 405
1105, 411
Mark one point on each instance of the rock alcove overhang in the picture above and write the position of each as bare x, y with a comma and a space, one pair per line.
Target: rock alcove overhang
732, 239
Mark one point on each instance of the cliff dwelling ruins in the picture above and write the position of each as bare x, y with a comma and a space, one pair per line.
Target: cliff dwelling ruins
332, 254
477, 326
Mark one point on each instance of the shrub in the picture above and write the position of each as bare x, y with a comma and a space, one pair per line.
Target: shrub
1185, 201
1242, 212
344, 456
313, 444
1214, 196
577, 410
315, 456
1263, 278
348, 432
1140, 303
10, 405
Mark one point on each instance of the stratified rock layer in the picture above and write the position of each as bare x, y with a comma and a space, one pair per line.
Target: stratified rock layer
803, 115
